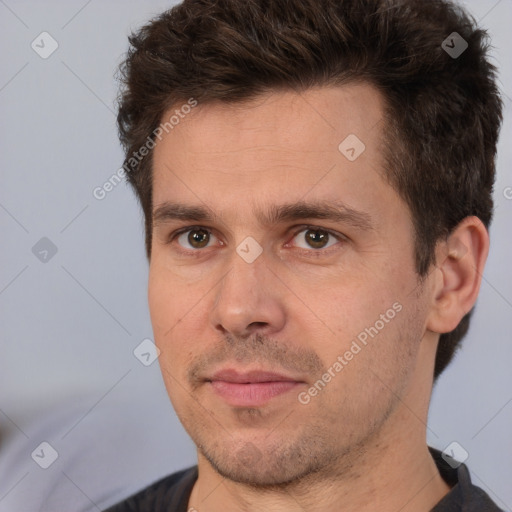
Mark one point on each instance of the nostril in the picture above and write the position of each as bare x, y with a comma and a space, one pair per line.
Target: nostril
258, 324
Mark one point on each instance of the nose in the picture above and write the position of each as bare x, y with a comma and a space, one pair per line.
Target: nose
249, 299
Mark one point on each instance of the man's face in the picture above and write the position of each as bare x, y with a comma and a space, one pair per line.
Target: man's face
287, 340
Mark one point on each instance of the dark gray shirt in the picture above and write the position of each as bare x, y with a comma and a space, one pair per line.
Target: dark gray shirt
171, 493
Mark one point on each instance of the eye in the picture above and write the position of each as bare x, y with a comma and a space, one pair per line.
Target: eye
196, 238
309, 237
313, 237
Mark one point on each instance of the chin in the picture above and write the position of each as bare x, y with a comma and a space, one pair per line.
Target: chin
271, 466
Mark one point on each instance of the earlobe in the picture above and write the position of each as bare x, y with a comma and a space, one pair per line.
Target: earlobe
460, 261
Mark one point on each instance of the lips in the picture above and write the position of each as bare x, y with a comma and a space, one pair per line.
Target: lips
250, 377
250, 389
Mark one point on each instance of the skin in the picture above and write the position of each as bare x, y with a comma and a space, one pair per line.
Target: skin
361, 440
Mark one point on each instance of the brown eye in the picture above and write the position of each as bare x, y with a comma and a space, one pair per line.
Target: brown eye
196, 238
315, 238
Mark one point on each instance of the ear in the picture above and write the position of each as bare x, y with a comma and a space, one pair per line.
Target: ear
460, 261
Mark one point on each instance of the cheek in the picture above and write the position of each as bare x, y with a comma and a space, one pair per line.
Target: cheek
166, 309
170, 296
374, 324
168, 313
161, 302
375, 368
352, 305
174, 308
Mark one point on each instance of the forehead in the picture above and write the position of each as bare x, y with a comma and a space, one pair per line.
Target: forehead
317, 143
287, 118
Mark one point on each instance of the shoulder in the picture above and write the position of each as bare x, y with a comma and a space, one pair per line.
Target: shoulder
169, 493
464, 495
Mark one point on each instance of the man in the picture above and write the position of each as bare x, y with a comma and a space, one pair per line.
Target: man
316, 179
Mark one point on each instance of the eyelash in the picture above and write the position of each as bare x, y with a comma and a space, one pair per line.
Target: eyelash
309, 252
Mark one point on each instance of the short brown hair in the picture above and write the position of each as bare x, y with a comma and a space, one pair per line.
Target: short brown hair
443, 113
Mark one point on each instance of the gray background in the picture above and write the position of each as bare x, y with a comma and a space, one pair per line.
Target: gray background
68, 375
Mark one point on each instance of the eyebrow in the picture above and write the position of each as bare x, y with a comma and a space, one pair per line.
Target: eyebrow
300, 210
